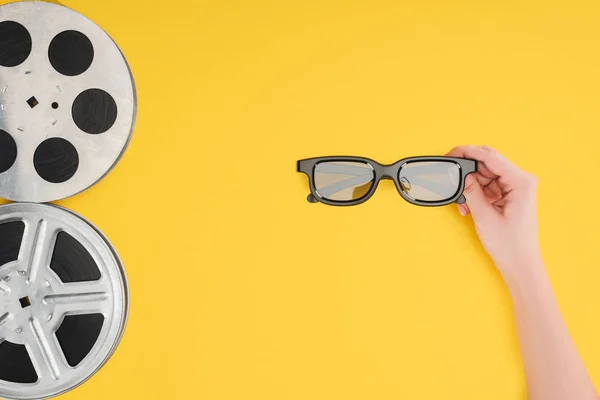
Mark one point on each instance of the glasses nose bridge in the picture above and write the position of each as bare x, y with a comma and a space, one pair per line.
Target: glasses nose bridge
387, 172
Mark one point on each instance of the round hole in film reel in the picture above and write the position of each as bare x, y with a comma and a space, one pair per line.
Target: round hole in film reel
67, 102
63, 300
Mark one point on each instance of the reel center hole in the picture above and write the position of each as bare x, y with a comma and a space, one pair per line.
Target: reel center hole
25, 302
33, 102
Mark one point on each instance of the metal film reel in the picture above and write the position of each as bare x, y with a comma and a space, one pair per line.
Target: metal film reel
67, 102
63, 300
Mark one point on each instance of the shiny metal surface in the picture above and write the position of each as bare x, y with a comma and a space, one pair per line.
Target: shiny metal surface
51, 299
36, 77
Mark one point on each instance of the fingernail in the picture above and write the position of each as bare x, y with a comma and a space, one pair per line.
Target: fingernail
462, 211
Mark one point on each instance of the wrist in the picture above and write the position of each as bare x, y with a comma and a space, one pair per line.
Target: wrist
524, 273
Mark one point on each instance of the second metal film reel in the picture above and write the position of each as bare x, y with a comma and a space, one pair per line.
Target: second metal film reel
63, 300
67, 111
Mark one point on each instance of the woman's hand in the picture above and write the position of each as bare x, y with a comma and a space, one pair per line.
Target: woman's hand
502, 200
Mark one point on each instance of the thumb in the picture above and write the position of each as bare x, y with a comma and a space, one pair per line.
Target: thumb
476, 200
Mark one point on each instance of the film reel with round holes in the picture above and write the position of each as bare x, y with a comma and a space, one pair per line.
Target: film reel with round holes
67, 102
67, 111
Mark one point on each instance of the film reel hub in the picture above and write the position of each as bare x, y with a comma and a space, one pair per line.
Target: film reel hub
22, 301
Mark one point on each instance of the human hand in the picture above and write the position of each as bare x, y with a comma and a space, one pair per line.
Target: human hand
502, 200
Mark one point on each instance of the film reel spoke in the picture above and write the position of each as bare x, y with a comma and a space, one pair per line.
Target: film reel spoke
37, 246
72, 291
87, 297
45, 353
82, 302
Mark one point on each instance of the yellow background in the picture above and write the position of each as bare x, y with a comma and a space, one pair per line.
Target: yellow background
241, 290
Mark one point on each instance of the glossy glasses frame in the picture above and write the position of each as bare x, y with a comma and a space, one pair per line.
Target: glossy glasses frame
391, 171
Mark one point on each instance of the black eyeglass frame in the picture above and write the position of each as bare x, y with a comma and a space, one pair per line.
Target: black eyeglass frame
391, 171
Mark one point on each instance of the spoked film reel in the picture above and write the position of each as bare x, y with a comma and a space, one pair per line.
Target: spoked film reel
63, 300
67, 102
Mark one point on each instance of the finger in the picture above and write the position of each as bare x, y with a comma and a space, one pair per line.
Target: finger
478, 203
495, 187
483, 181
494, 162
483, 170
463, 209
492, 191
491, 196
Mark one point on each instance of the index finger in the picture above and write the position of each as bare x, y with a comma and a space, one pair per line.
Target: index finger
495, 162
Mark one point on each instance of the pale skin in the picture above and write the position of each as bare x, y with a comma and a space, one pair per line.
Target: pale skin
501, 198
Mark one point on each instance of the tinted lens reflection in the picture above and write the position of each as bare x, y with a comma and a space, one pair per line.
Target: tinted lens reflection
343, 180
430, 180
